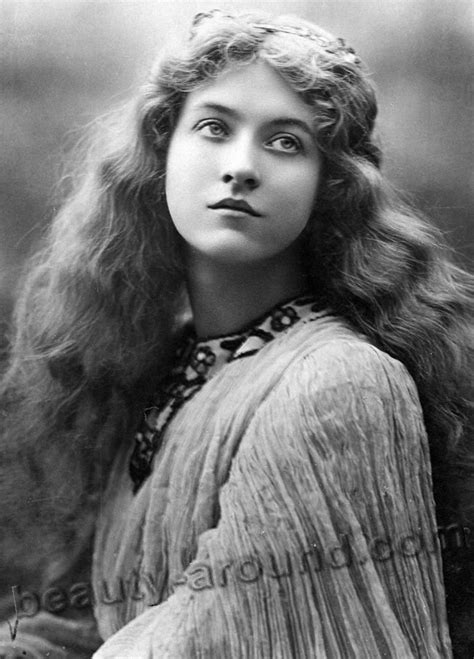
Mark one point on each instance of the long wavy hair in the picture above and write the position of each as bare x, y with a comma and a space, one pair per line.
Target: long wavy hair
98, 313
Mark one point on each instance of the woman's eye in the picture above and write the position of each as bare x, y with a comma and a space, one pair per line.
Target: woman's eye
212, 128
286, 143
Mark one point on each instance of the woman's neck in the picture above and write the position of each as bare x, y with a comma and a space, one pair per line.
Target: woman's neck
226, 297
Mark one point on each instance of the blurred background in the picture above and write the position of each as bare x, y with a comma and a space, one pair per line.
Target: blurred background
63, 62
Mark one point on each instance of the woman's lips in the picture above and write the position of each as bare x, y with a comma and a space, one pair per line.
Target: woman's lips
236, 205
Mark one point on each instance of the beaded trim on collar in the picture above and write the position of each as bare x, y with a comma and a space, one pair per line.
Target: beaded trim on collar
196, 362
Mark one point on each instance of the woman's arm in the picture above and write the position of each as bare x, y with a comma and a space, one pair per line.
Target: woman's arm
326, 542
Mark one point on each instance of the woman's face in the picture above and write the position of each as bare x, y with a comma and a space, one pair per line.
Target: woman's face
243, 166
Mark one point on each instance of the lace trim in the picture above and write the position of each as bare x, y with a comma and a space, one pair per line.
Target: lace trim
197, 362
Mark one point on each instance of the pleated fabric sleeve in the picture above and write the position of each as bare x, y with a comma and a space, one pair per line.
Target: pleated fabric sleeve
325, 541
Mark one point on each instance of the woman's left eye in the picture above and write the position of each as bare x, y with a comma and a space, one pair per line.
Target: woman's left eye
286, 143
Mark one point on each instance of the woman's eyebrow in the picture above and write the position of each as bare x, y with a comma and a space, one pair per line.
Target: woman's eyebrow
217, 107
292, 121
276, 122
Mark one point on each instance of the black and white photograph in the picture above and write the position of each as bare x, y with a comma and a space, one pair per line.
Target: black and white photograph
236, 329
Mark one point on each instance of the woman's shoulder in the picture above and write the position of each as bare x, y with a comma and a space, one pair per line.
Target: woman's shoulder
333, 383
344, 405
331, 354
340, 389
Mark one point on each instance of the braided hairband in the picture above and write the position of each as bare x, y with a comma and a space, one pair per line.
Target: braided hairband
336, 46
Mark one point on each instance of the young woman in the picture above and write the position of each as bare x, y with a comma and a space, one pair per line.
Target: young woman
267, 464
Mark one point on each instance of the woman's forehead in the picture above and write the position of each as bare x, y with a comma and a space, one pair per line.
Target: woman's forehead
254, 87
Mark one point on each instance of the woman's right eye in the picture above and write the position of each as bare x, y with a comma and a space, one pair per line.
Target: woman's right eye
212, 128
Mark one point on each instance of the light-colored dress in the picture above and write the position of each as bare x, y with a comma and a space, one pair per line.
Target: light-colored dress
277, 503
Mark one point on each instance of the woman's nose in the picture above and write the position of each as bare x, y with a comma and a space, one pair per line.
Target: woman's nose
240, 167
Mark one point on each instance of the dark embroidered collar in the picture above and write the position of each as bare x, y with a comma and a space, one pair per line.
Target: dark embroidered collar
199, 360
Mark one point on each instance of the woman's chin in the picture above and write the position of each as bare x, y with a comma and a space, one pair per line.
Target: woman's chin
234, 251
